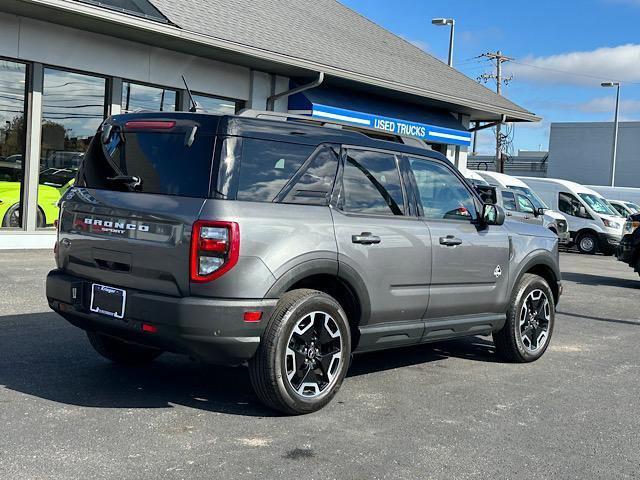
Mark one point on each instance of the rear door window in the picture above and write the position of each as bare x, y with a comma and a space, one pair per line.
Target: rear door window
165, 163
371, 184
267, 167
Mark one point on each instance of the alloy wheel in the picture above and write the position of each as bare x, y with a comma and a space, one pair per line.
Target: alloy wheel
535, 320
313, 355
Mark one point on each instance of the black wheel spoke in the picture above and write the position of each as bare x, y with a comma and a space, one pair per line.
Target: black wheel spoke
313, 347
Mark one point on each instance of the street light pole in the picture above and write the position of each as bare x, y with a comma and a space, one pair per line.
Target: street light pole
615, 130
451, 23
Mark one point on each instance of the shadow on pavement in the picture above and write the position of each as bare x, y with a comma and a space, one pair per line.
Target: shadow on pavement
588, 279
601, 319
43, 356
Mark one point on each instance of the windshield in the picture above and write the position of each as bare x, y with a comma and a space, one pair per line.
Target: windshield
599, 204
535, 199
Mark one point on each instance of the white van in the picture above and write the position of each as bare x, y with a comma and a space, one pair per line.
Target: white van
552, 218
594, 225
625, 194
473, 177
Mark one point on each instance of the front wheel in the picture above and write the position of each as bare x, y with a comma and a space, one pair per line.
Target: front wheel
304, 353
531, 316
587, 243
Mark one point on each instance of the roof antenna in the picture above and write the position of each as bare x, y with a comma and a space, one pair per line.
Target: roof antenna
194, 105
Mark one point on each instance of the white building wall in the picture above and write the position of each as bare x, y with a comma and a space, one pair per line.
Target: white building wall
35, 41
581, 152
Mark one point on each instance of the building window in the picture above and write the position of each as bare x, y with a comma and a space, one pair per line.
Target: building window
217, 106
73, 106
136, 97
12, 141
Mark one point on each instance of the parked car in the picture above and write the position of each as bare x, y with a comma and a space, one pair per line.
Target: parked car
518, 206
629, 249
624, 208
53, 183
594, 226
552, 219
288, 246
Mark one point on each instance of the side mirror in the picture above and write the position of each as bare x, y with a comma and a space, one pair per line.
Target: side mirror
492, 215
539, 212
582, 211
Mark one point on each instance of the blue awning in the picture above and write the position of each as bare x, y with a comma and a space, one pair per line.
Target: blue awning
431, 125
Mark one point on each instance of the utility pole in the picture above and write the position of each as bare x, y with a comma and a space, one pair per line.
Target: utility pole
499, 58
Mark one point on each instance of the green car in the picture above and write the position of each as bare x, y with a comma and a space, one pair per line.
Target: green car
52, 185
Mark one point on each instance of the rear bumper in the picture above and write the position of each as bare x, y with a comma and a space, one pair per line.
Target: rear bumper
212, 330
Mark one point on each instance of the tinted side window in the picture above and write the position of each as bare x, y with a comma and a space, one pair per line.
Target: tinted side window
267, 166
313, 183
371, 184
569, 204
525, 205
442, 194
509, 201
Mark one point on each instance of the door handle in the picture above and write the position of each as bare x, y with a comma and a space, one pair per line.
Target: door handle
450, 241
365, 238
509, 214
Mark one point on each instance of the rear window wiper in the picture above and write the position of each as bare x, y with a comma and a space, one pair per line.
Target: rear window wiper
127, 179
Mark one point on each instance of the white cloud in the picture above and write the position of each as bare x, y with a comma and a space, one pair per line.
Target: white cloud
581, 68
607, 104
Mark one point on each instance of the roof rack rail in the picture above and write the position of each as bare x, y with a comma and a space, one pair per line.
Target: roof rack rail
285, 116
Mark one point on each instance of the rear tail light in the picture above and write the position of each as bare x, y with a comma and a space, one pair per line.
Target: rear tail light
215, 248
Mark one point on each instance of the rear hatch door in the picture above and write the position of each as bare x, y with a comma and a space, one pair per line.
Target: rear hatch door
141, 186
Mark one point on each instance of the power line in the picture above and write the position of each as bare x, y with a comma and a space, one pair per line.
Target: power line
576, 74
502, 140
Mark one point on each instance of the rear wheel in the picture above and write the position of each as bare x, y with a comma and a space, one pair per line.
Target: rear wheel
122, 352
530, 320
587, 243
304, 353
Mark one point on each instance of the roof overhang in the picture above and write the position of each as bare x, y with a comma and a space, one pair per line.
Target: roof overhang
107, 22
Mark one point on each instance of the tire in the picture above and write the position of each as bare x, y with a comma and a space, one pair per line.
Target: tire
587, 243
307, 338
12, 217
518, 341
121, 352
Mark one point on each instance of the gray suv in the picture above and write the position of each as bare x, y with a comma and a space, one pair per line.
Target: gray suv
288, 247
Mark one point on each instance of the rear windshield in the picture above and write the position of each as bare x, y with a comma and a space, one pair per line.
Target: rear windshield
149, 162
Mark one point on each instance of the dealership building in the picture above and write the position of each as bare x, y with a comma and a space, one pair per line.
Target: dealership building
582, 152
67, 64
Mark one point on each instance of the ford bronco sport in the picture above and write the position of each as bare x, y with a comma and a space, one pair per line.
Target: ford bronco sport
288, 246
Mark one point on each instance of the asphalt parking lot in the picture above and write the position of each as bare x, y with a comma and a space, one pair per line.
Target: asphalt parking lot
446, 410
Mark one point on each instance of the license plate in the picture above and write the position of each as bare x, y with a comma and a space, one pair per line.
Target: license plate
108, 300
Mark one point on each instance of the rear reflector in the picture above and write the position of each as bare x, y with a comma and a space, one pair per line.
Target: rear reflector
215, 248
149, 328
149, 125
252, 316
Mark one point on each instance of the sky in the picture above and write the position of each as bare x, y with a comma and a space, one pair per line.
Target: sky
562, 51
